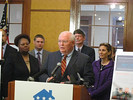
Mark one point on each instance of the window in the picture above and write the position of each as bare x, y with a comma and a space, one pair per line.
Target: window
100, 22
14, 19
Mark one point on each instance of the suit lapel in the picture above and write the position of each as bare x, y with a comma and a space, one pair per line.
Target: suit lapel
43, 56
83, 49
23, 64
71, 63
33, 52
6, 50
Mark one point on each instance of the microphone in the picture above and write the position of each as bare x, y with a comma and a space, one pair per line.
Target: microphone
32, 78
53, 72
55, 69
81, 80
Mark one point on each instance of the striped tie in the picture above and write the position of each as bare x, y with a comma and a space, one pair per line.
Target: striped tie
63, 65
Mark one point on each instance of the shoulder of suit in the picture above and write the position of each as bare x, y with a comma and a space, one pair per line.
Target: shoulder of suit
45, 51
54, 53
11, 48
31, 56
82, 54
32, 51
87, 47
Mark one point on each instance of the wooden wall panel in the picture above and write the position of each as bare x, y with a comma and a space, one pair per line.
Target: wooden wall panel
50, 4
49, 17
128, 36
50, 24
26, 17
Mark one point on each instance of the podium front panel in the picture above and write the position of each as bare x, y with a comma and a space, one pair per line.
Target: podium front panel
25, 90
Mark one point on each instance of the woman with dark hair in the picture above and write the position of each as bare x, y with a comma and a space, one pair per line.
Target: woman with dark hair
103, 70
20, 65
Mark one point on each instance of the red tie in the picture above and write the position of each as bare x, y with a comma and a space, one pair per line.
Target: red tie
63, 65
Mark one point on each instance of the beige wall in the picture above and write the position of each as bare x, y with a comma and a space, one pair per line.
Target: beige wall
49, 18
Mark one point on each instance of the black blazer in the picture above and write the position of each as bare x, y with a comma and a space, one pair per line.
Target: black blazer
88, 51
8, 51
79, 62
16, 69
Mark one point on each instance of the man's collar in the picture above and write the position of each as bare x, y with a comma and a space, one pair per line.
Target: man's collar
4, 46
38, 51
70, 54
78, 47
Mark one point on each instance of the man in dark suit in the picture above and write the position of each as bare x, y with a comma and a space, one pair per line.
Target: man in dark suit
76, 62
79, 44
39, 42
5, 52
6, 49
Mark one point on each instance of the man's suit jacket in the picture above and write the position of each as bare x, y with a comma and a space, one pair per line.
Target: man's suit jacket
15, 69
8, 51
88, 51
79, 62
44, 56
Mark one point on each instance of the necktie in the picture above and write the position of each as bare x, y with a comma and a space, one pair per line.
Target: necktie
63, 65
78, 49
39, 58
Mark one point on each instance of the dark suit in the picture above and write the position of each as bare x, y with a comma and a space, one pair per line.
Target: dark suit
8, 51
44, 56
15, 69
78, 63
88, 51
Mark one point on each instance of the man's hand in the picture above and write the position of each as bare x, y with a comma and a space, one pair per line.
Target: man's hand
50, 78
68, 77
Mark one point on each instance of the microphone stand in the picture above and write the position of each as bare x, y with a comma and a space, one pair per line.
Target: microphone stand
53, 80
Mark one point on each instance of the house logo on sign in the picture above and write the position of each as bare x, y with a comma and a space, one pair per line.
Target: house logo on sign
44, 95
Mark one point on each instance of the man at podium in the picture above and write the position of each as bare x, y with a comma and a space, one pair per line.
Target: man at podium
67, 65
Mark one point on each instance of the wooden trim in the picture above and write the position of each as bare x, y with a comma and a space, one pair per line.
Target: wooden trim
102, 1
103, 25
128, 37
49, 10
14, 23
80, 93
11, 90
74, 14
26, 17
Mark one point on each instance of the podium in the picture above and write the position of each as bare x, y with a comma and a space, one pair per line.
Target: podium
78, 92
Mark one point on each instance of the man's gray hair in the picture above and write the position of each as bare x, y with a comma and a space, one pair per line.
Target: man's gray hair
72, 36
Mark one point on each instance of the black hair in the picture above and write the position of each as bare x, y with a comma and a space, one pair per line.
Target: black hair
19, 37
39, 36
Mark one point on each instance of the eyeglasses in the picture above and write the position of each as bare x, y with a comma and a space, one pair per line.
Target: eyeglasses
63, 41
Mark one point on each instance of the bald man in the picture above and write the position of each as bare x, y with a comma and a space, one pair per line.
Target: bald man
7, 50
75, 62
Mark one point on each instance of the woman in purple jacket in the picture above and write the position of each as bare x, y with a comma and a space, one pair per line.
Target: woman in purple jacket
103, 70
